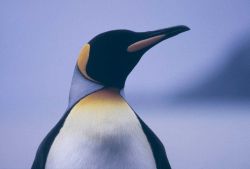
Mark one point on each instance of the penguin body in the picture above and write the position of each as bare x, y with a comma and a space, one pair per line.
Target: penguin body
99, 130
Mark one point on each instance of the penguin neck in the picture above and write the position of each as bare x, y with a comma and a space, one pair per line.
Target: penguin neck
81, 87
113, 91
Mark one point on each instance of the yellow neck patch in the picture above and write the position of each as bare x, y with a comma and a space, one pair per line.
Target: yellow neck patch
83, 60
101, 114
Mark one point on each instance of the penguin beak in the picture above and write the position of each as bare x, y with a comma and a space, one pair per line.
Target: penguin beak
149, 39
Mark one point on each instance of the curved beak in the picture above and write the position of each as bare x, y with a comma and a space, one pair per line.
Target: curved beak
146, 40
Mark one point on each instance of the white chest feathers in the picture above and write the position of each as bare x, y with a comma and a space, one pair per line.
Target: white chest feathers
101, 132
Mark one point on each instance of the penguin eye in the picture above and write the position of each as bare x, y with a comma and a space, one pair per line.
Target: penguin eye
83, 60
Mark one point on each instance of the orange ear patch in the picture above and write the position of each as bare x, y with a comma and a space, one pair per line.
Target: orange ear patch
83, 60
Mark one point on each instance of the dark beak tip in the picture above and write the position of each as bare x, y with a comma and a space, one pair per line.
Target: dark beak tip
183, 28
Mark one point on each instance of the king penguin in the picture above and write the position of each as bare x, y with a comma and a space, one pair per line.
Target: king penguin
99, 130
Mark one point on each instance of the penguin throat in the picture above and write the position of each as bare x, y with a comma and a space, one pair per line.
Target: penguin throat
81, 87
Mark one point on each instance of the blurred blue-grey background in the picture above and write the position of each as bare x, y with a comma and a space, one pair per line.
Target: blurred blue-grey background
193, 90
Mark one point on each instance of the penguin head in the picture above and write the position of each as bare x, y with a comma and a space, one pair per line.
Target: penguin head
110, 56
